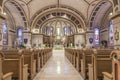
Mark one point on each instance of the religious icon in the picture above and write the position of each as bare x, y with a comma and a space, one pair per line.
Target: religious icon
25, 41
91, 40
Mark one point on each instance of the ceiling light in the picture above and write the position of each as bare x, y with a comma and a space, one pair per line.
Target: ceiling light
111, 13
4, 13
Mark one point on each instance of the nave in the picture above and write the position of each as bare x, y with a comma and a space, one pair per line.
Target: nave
58, 68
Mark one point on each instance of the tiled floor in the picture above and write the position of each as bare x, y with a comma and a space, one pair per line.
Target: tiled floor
58, 68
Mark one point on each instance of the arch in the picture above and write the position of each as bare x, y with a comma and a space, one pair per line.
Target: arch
93, 20
23, 20
63, 9
59, 19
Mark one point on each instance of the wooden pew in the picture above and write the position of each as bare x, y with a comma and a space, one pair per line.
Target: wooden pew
29, 59
100, 62
86, 59
115, 75
78, 59
7, 76
67, 53
14, 62
45, 55
37, 58
74, 54
41, 58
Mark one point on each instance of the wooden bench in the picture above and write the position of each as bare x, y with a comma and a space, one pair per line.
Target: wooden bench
78, 59
86, 59
37, 58
14, 62
29, 59
101, 62
45, 55
7, 76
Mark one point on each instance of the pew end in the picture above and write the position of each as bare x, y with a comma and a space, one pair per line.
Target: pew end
8, 76
25, 72
90, 71
107, 76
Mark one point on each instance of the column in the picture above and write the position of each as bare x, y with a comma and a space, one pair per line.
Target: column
27, 37
37, 40
89, 39
115, 17
2, 17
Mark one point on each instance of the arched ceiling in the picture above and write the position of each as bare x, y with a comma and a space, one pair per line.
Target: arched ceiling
30, 8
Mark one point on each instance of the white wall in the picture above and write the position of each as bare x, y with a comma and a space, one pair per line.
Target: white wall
79, 39
37, 39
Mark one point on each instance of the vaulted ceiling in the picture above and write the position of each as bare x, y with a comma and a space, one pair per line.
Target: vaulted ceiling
23, 11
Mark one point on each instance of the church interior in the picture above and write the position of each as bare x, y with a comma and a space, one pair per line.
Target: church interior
59, 40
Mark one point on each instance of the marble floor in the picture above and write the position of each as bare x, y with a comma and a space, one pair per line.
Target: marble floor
58, 68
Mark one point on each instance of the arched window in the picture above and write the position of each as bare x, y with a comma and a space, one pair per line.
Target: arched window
71, 30
5, 33
111, 33
65, 31
51, 30
96, 36
20, 35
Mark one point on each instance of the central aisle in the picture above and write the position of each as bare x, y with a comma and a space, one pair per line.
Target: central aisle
58, 68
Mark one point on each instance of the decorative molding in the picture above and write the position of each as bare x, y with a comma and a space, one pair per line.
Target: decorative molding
2, 16
13, 31
115, 15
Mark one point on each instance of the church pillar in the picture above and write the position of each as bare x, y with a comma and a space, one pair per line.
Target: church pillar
37, 40
115, 17
2, 18
89, 39
27, 38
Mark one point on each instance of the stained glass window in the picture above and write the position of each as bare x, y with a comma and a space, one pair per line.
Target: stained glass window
5, 33
111, 33
71, 30
51, 30
20, 34
96, 36
65, 31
